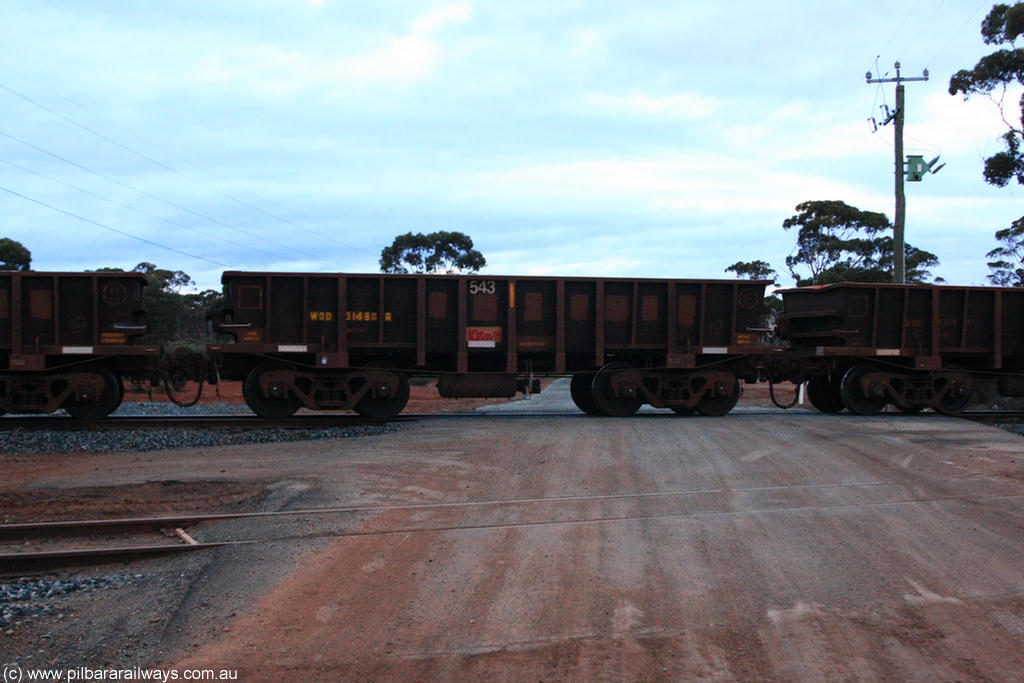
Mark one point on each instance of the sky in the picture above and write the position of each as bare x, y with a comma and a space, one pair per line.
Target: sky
640, 139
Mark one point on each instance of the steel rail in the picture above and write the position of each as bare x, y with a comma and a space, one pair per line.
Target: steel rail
17, 564
20, 531
992, 416
23, 564
317, 421
326, 421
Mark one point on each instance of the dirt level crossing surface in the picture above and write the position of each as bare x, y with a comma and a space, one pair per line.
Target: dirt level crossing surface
762, 546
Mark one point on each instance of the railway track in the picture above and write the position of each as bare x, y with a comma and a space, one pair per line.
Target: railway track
325, 421
35, 548
993, 416
247, 421
250, 421
32, 548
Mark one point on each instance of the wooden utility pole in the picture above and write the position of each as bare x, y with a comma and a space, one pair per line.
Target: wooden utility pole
899, 252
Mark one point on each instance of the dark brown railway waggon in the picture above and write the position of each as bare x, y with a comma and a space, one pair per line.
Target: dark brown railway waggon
862, 346
67, 338
339, 341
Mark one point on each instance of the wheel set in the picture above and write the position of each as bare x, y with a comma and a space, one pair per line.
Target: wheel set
276, 390
866, 390
616, 390
267, 394
96, 393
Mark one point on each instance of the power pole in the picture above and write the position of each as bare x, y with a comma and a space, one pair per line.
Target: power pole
899, 252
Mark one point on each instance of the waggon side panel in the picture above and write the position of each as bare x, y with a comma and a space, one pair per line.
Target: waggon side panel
362, 312
38, 328
982, 327
247, 298
45, 318
77, 315
441, 334
285, 310
580, 324
1011, 320
479, 323
537, 317
321, 313
398, 313
652, 314
6, 314
489, 332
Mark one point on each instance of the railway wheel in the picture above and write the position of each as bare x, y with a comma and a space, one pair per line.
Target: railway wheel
96, 407
958, 393
279, 404
854, 397
720, 398
582, 393
625, 403
824, 395
381, 406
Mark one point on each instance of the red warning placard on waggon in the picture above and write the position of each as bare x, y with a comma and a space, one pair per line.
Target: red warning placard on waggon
483, 337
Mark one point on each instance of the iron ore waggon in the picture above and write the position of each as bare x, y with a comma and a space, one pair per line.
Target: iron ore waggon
864, 346
340, 341
353, 341
68, 339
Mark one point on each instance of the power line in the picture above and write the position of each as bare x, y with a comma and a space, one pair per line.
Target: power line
133, 208
91, 130
924, 143
107, 227
899, 28
959, 30
153, 196
923, 26
169, 168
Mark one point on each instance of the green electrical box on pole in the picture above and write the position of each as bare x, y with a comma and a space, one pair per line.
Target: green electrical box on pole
916, 168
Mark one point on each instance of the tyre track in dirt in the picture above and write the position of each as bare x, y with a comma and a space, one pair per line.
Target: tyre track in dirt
761, 548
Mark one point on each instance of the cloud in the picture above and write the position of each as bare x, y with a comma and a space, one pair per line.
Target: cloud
564, 137
689, 180
403, 59
441, 17
679, 106
385, 59
277, 71
941, 121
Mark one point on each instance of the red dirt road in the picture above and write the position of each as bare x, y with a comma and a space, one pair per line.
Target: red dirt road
756, 547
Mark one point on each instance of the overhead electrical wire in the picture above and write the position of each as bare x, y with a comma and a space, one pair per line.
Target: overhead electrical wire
923, 26
880, 92
931, 61
949, 42
899, 28
136, 209
170, 169
913, 40
153, 196
112, 229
